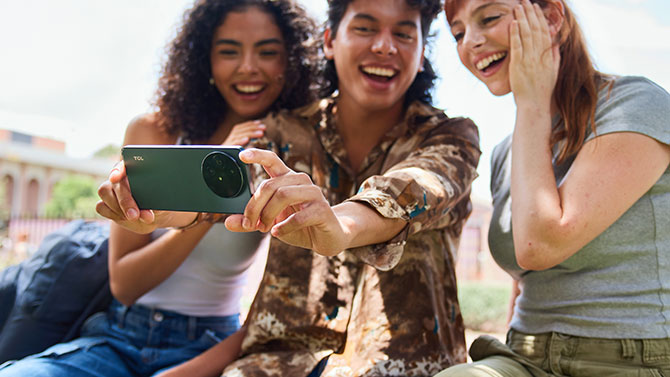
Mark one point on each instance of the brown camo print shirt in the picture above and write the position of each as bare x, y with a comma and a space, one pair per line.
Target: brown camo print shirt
382, 310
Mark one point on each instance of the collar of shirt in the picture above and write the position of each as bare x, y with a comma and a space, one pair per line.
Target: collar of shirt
321, 116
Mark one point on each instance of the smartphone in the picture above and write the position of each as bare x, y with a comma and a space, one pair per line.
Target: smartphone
193, 178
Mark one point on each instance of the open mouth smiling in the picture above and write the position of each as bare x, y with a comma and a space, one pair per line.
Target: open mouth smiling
379, 73
491, 61
248, 88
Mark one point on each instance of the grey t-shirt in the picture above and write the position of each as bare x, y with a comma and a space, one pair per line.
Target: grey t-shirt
618, 285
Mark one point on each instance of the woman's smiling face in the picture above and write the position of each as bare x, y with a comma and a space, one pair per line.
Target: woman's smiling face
481, 29
248, 60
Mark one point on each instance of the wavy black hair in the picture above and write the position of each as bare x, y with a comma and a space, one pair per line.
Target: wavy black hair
421, 88
186, 103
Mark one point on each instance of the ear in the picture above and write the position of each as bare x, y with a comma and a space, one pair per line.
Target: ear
423, 56
328, 44
555, 14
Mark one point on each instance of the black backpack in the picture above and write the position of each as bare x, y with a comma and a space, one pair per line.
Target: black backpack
45, 299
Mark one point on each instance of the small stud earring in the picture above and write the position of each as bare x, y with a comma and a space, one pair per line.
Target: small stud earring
211, 81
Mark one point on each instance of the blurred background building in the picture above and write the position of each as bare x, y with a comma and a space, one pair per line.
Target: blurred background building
31, 165
31, 170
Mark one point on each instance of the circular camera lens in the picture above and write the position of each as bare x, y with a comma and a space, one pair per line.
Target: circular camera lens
222, 174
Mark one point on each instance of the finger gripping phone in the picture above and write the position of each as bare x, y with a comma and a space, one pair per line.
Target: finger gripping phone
193, 178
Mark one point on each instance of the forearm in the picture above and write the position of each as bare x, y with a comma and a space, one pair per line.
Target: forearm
174, 219
365, 226
536, 204
138, 266
211, 362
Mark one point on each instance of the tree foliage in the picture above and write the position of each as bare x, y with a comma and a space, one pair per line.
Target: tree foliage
4, 208
73, 197
108, 151
484, 305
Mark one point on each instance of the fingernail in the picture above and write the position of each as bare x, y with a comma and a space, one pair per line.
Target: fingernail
246, 223
131, 213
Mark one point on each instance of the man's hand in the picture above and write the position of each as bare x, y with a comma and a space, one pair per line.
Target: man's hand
291, 207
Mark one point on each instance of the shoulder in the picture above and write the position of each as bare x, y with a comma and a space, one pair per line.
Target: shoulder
633, 104
634, 91
288, 129
426, 117
287, 122
145, 129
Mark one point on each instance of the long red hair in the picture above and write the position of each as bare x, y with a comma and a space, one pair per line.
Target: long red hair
576, 91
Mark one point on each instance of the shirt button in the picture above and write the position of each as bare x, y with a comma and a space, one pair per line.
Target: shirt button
158, 316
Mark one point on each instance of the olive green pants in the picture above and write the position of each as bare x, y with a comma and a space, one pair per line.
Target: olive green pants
554, 354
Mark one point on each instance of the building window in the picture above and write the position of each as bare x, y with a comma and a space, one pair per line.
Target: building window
32, 198
19, 137
7, 192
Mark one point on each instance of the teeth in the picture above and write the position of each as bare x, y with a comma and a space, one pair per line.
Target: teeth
249, 88
482, 64
378, 71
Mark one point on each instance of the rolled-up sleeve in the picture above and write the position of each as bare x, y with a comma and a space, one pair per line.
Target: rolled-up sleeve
423, 188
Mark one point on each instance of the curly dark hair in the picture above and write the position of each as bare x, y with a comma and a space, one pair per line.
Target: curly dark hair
188, 104
421, 88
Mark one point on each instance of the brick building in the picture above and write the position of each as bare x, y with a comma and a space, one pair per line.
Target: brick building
31, 165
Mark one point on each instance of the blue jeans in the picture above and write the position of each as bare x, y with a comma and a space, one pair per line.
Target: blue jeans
127, 341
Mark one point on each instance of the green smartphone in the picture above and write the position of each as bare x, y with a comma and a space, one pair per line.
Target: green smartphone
193, 178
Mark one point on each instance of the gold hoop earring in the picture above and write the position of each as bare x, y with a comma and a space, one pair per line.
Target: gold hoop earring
211, 81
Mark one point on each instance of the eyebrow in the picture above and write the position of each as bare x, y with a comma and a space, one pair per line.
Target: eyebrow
368, 17
234, 42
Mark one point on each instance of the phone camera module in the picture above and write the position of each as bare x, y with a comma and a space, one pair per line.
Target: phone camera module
222, 174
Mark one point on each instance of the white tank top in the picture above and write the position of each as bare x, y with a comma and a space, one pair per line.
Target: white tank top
211, 280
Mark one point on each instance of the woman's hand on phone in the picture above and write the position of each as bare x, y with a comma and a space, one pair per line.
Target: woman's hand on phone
118, 205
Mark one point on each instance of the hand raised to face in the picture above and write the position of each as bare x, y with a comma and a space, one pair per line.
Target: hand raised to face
535, 59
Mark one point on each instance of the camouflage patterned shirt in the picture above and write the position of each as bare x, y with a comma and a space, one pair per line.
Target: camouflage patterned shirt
379, 310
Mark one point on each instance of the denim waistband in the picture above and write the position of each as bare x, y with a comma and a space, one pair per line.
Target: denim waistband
140, 316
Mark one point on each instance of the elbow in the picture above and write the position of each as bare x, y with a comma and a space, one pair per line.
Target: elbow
533, 256
531, 264
122, 295
544, 245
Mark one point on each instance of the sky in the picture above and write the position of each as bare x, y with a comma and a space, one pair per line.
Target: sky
80, 70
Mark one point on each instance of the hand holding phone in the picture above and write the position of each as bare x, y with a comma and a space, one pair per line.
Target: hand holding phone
193, 178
